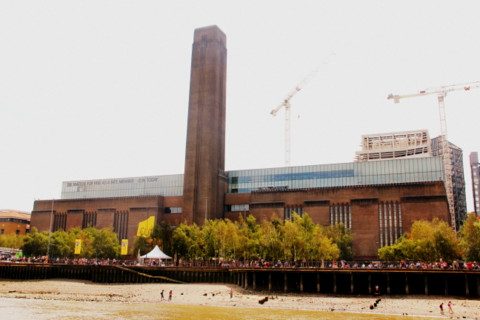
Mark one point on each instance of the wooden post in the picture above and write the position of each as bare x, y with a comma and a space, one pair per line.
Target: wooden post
285, 282
351, 283
334, 283
318, 282
369, 283
407, 289
269, 281
388, 283
467, 289
301, 282
425, 279
254, 280
446, 284
478, 286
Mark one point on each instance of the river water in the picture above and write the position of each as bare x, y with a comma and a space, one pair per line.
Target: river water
39, 309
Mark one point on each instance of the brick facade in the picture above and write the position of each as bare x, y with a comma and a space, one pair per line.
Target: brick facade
417, 201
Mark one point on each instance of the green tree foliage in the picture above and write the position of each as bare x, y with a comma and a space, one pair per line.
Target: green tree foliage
427, 241
62, 244
105, 243
342, 237
11, 241
249, 237
96, 243
188, 241
162, 236
470, 238
298, 239
35, 243
271, 240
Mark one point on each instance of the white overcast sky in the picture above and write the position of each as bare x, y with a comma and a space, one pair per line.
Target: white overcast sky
99, 89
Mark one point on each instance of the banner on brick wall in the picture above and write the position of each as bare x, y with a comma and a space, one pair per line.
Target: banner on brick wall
78, 246
145, 227
124, 247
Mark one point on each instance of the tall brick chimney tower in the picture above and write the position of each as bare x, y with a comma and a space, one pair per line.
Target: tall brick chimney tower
204, 183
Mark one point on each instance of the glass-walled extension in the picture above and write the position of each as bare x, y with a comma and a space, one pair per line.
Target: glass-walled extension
168, 185
244, 181
337, 175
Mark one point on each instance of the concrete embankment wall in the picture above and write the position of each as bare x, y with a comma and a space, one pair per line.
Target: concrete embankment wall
314, 281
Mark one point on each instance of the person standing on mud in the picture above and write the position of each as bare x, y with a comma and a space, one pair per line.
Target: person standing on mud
450, 304
161, 296
441, 308
170, 293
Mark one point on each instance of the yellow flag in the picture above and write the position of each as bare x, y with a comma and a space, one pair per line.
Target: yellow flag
78, 246
124, 248
145, 227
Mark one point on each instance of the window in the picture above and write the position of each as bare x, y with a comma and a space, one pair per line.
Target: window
173, 210
239, 207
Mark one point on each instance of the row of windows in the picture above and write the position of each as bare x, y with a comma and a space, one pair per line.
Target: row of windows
14, 220
341, 213
288, 211
292, 176
17, 232
390, 222
337, 182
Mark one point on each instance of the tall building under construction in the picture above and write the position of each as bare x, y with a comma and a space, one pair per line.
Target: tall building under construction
377, 200
415, 144
475, 173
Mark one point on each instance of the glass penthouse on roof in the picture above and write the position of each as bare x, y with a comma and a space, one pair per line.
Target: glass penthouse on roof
337, 175
426, 169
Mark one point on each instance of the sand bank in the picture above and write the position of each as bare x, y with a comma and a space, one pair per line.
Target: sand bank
219, 295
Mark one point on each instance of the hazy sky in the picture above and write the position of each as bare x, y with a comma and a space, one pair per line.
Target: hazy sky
99, 89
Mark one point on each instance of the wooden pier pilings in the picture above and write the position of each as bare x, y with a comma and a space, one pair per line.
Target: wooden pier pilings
313, 281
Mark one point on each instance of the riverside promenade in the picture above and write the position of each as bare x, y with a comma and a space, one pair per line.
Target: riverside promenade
462, 283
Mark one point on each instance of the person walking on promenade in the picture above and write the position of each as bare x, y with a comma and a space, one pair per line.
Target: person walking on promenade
161, 296
450, 304
170, 293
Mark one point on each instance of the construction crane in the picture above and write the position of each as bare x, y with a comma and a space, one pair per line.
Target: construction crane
441, 93
286, 104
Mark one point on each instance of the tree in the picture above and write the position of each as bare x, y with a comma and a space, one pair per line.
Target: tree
271, 240
342, 237
249, 237
162, 235
188, 241
11, 241
470, 238
427, 241
291, 239
62, 244
97, 243
323, 247
105, 243
35, 243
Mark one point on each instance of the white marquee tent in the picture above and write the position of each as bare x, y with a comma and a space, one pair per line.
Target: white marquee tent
156, 253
